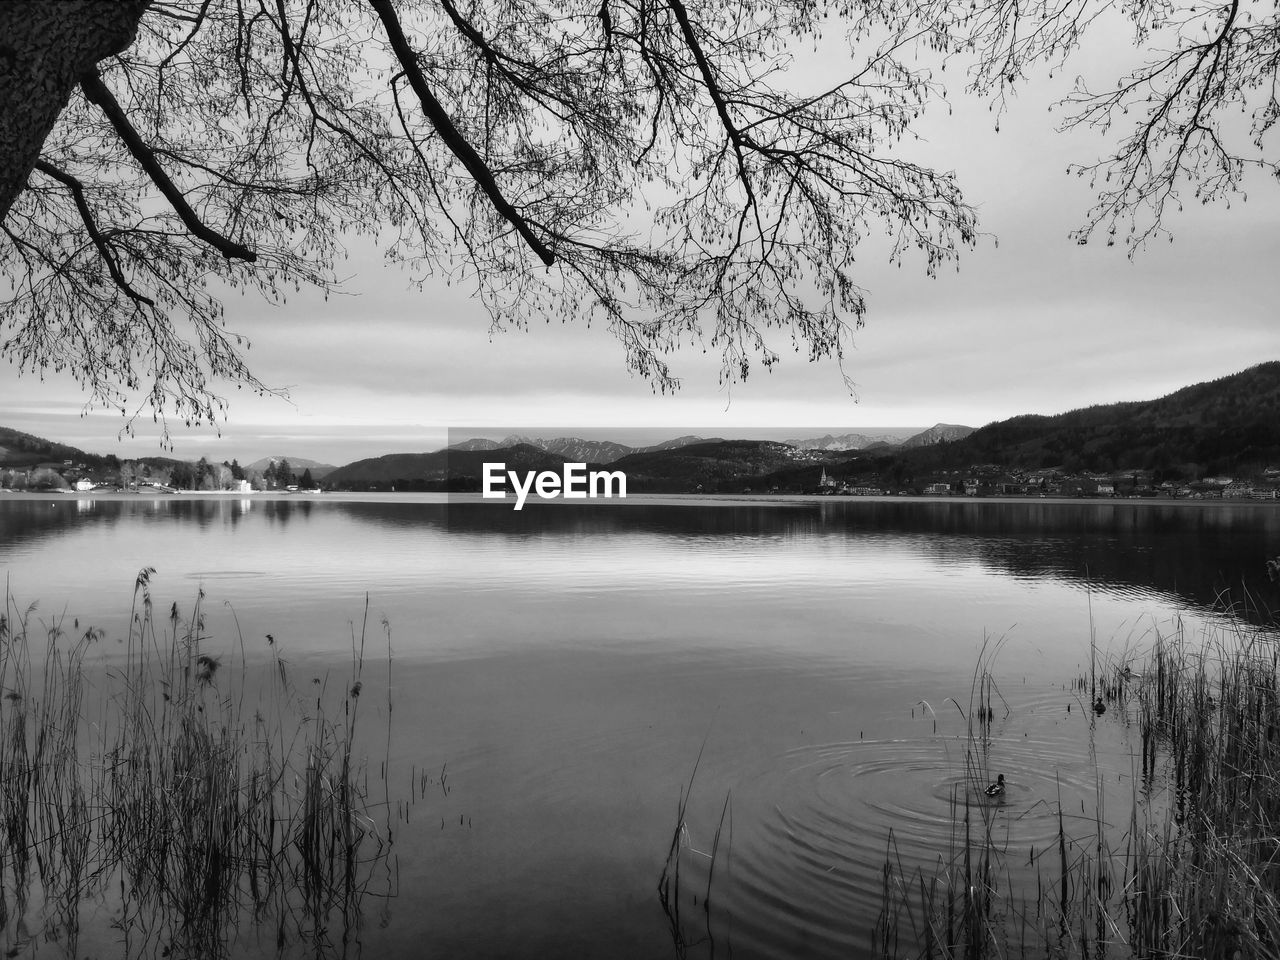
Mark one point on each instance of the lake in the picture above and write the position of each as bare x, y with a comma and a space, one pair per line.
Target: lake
551, 678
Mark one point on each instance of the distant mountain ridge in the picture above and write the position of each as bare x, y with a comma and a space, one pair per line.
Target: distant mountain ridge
938, 433
1226, 425
1223, 427
297, 464
677, 443
710, 466
846, 441
573, 449
448, 469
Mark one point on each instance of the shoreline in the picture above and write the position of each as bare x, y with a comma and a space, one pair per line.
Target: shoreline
650, 499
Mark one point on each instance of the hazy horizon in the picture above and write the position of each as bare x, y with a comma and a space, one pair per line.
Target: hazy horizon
627, 436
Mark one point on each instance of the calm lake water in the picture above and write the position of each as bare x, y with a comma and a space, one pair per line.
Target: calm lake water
558, 672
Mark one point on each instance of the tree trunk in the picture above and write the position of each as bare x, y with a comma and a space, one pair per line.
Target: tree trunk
44, 48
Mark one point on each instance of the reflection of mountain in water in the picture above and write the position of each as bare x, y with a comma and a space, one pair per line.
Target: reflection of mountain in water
679, 520
1194, 553
1199, 554
1190, 552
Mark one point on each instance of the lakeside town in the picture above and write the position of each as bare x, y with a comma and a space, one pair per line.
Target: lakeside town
986, 480
991, 480
132, 476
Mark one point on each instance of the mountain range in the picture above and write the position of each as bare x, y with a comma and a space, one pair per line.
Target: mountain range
577, 450
938, 433
1226, 426
296, 464
848, 441
573, 449
451, 468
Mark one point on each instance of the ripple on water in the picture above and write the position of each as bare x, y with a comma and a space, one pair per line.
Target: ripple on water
809, 835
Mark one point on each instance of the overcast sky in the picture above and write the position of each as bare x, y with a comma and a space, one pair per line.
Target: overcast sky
1031, 324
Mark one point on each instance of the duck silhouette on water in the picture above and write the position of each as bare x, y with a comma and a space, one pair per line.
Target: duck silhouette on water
996, 789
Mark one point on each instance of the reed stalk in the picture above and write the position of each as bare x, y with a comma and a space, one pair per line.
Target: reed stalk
155, 785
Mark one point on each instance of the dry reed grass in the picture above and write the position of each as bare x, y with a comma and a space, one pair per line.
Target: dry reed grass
150, 791
1193, 869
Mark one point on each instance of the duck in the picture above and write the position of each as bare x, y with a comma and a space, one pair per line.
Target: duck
996, 789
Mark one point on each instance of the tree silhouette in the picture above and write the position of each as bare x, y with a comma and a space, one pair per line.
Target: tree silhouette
648, 163
1189, 123
183, 475
633, 161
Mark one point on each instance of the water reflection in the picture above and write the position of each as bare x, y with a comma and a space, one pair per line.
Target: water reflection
1190, 554
28, 517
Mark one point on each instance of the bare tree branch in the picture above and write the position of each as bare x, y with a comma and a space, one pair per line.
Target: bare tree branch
652, 154
96, 92
449, 133
99, 241
1173, 119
